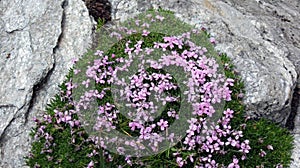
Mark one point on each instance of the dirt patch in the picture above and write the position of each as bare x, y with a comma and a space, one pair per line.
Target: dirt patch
99, 9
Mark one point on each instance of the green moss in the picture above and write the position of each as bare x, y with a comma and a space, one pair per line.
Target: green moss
71, 148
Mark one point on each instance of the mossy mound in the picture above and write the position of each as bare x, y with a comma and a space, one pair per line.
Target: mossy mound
62, 141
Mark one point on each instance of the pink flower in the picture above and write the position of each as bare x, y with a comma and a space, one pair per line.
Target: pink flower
134, 125
241, 95
172, 114
212, 40
76, 71
149, 50
156, 45
74, 60
231, 141
48, 118
245, 148
129, 32
270, 147
179, 161
99, 53
91, 164
145, 33
187, 35
163, 124
190, 142
145, 25
128, 50
171, 137
160, 18
69, 85
262, 153
127, 159
86, 83
234, 164
121, 150
164, 46
228, 113
137, 22
115, 34
137, 50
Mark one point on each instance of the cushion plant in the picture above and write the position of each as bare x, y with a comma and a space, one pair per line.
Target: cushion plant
154, 93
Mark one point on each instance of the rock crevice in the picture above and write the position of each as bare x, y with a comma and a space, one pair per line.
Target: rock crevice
38, 39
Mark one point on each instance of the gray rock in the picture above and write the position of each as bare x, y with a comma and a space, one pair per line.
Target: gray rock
296, 152
38, 39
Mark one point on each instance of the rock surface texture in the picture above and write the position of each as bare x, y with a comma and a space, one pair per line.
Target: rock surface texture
38, 39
